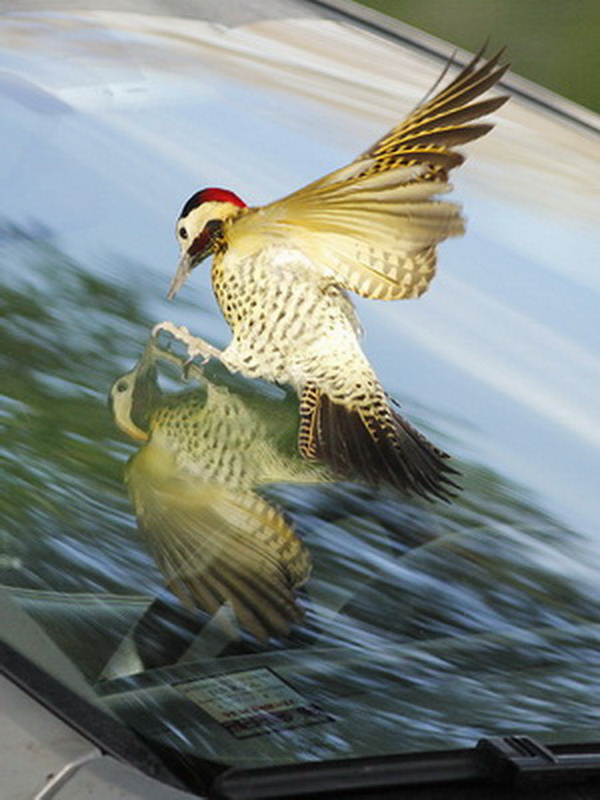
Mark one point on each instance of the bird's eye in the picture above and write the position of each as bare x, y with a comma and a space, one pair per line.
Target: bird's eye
183, 233
122, 386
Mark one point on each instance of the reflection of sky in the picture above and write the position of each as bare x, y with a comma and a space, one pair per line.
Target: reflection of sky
114, 131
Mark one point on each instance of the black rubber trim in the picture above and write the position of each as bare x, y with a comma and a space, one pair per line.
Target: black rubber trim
398, 31
515, 767
105, 732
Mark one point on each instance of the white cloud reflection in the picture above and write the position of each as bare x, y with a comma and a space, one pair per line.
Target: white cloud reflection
513, 353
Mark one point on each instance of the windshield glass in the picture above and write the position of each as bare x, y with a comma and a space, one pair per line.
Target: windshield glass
222, 595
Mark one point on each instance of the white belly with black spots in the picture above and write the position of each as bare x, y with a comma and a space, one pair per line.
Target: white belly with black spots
288, 324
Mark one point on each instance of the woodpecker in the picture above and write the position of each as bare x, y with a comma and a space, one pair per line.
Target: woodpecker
282, 274
193, 488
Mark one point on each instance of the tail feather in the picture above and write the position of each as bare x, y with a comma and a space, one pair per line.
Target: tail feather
375, 444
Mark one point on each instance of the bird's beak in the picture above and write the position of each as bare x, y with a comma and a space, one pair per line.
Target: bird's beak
184, 268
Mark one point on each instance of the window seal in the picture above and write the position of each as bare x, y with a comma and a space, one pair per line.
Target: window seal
99, 727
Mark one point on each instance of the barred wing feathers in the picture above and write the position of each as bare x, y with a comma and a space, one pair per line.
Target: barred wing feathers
215, 545
373, 225
428, 135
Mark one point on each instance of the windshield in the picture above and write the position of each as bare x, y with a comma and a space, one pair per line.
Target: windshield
223, 596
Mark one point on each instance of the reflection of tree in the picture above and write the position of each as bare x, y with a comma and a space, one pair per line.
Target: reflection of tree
384, 567
62, 332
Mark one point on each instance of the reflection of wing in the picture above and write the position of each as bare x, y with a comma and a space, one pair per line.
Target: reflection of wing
215, 545
192, 485
373, 225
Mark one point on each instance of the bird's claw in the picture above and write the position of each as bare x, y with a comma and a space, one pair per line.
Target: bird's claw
196, 347
179, 332
191, 362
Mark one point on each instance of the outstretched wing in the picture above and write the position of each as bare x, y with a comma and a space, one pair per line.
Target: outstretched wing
429, 134
372, 226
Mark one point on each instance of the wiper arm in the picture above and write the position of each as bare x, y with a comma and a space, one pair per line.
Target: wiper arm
516, 761
522, 760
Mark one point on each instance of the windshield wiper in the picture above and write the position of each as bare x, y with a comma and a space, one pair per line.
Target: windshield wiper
518, 762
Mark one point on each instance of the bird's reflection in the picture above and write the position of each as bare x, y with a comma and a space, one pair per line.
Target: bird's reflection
193, 487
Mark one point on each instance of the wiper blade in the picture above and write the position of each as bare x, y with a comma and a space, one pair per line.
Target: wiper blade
516, 761
522, 760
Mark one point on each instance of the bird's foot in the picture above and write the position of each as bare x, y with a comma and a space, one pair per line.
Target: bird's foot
196, 347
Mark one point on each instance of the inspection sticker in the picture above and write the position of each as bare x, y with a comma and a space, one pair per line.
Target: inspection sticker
253, 702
